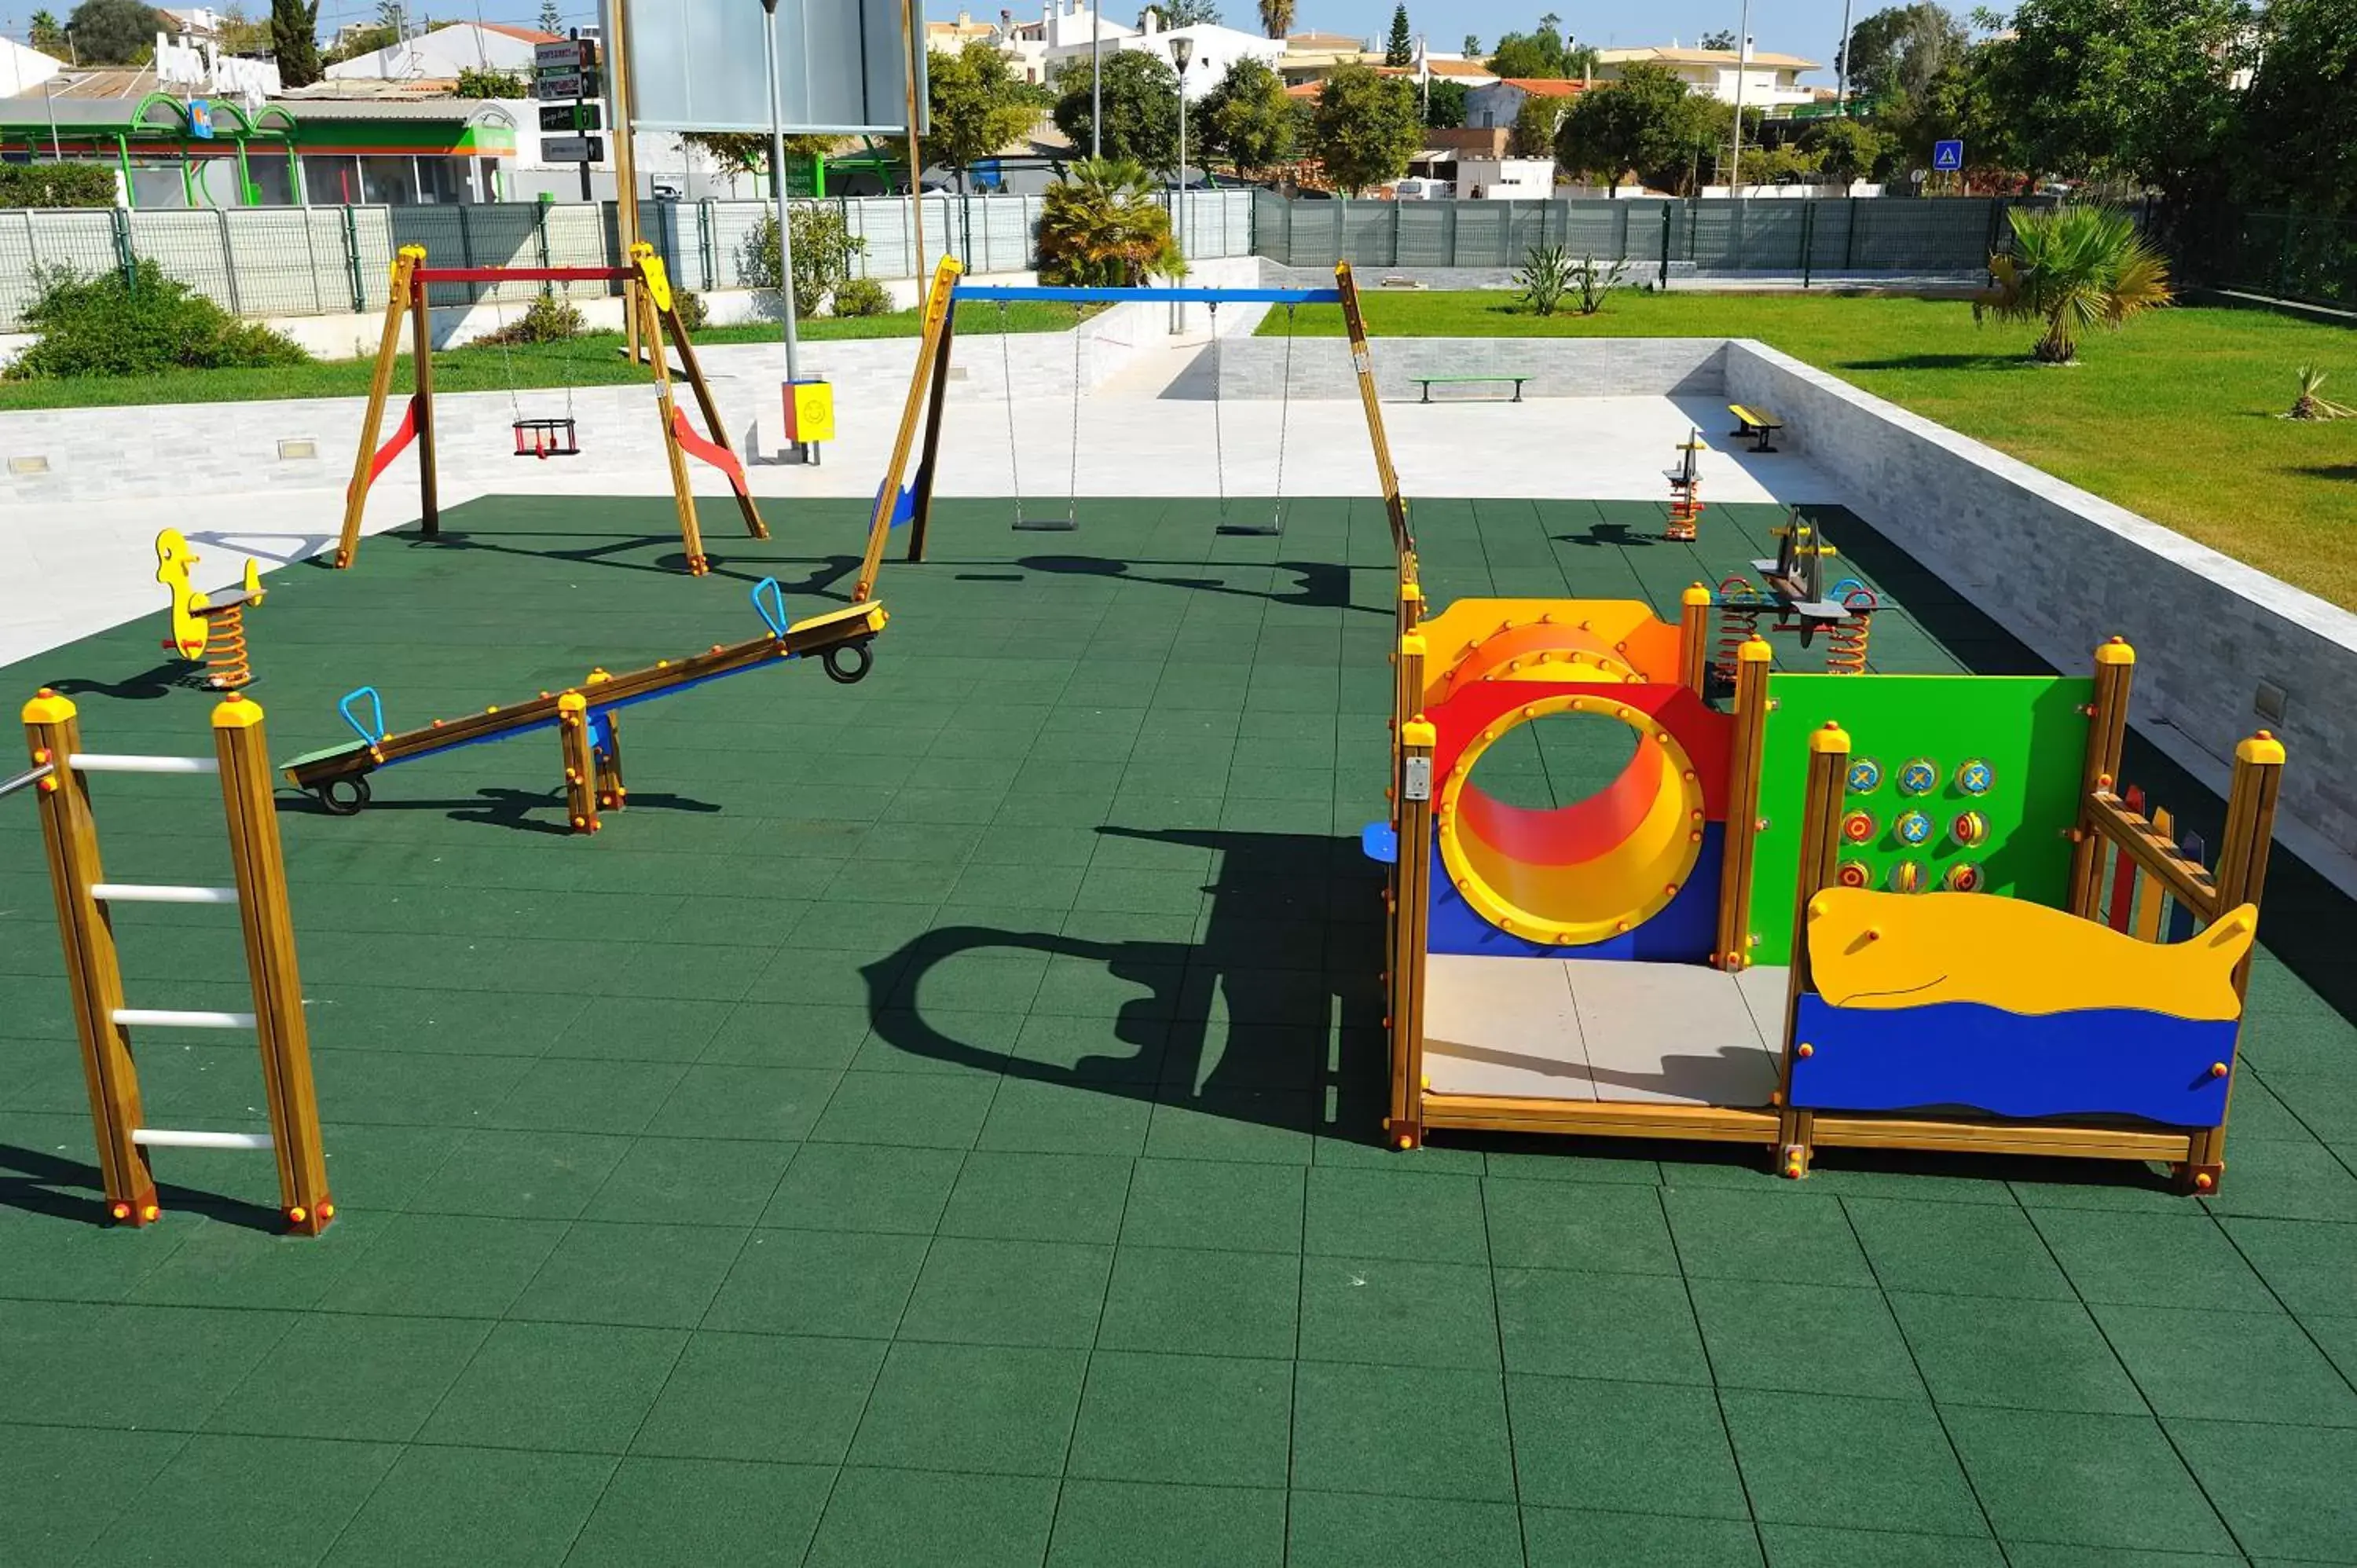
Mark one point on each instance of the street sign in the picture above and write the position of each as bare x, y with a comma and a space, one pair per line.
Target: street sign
566, 87
1948, 156
560, 118
573, 149
565, 54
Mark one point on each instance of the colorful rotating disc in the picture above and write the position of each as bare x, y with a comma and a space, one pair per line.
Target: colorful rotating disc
1963, 878
1974, 776
1865, 775
1920, 777
1907, 876
1970, 828
1859, 827
1854, 873
1913, 828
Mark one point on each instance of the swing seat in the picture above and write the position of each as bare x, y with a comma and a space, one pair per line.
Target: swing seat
546, 438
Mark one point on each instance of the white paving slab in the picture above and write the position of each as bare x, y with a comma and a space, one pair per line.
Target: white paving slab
1502, 1026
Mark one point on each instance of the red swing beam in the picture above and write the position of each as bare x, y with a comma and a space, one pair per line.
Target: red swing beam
655, 308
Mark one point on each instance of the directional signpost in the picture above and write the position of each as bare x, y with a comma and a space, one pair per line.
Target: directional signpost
565, 79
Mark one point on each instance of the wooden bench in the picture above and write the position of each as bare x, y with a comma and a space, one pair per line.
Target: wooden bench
1752, 422
1428, 382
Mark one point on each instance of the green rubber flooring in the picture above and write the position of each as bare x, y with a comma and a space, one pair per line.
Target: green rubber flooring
934, 1125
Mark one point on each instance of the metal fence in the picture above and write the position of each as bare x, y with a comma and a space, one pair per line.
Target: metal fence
1838, 235
317, 261
2283, 255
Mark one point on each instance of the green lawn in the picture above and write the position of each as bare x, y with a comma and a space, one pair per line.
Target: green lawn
593, 359
2172, 417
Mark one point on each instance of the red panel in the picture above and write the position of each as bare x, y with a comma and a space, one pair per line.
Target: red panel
1707, 736
524, 275
712, 452
1566, 836
394, 444
2124, 869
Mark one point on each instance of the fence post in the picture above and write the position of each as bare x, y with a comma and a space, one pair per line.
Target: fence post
1850, 240
353, 260
229, 262
125, 256
1808, 239
1666, 208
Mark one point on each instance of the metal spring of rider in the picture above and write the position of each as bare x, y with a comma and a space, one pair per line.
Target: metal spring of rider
225, 662
1845, 645
1739, 623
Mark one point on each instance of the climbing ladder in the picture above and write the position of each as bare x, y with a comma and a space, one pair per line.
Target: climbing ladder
61, 775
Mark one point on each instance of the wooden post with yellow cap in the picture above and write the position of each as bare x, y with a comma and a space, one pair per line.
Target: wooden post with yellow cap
1411, 915
2242, 876
580, 767
421, 356
1693, 637
93, 968
396, 305
1746, 767
1820, 847
259, 858
647, 315
939, 302
2108, 725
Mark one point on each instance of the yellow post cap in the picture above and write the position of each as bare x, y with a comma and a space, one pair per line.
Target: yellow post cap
1695, 594
1419, 732
1830, 739
572, 703
2115, 651
1755, 651
237, 710
415, 252
1412, 645
47, 708
952, 266
2262, 747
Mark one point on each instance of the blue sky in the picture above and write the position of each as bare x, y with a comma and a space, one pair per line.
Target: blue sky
1809, 27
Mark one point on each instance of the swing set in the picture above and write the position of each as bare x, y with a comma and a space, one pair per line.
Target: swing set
654, 306
928, 396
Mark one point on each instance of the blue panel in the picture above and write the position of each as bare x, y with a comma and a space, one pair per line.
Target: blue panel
2106, 1061
1683, 933
1008, 294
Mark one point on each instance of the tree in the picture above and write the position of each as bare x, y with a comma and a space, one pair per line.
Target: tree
116, 32
1399, 48
1848, 151
1646, 122
2298, 129
747, 152
978, 105
1102, 226
1275, 18
477, 82
241, 34
1527, 55
1534, 125
50, 37
1247, 119
295, 40
364, 41
1722, 39
1903, 50
2136, 91
2070, 269
551, 20
1141, 107
1183, 13
1472, 46
1444, 106
1365, 128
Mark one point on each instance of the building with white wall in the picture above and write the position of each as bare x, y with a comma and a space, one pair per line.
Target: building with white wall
23, 71
442, 54
1768, 80
1063, 33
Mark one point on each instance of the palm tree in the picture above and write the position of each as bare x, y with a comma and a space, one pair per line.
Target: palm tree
1102, 226
1276, 17
2073, 268
2312, 404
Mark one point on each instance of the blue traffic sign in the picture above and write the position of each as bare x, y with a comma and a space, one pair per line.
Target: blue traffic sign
1947, 157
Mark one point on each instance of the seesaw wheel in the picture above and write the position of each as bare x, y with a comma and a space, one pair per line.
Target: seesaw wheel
847, 662
343, 797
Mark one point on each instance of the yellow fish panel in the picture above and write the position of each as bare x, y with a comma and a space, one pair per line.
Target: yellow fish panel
1894, 950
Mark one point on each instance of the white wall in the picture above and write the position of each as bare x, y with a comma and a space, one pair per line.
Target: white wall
441, 54
1216, 48
23, 69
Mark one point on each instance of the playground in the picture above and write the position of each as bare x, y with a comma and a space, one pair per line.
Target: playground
951, 1110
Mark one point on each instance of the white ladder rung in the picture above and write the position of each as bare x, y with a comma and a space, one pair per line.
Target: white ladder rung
108, 762
158, 1138
180, 1018
151, 893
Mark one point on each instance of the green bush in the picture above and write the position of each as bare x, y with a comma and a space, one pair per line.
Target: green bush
547, 320
1545, 278
823, 248
690, 305
862, 296
139, 325
57, 185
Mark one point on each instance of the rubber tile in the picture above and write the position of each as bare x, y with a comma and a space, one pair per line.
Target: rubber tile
344, 1376
52, 1513
2177, 1259
1214, 1204
864, 1186
493, 1507
1187, 1301
2284, 1491
724, 1183
1132, 1524
1854, 1463
1567, 1324
1581, 1224
988, 1409
977, 1292
1394, 1313
651, 1276
884, 1518
853, 1283
771, 1398
1624, 1448
1831, 1339
1331, 1530
221, 1500
686, 1512
167, 1366
2024, 1355
1980, 1250
2230, 1366
2080, 1479
1566, 1537
1196, 1420
1771, 1237
578, 1386
1347, 1431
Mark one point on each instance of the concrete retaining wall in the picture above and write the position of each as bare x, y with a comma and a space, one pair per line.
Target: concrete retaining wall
2060, 568
1558, 367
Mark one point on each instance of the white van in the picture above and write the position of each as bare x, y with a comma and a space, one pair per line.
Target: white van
1412, 189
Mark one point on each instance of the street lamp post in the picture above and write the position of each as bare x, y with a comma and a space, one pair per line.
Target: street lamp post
1742, 60
795, 451
1182, 55
1096, 79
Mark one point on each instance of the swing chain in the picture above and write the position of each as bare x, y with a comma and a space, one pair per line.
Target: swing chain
1219, 424
1073, 489
1284, 422
1007, 381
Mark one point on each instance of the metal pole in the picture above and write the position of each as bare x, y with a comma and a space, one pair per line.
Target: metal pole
1743, 58
1096, 78
1179, 193
1841, 66
795, 451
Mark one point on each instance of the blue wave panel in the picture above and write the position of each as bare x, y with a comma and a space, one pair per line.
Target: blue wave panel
1685, 932
2103, 1061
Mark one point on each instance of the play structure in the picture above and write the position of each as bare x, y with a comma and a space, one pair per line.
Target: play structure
61, 774
928, 399
1870, 911
207, 629
652, 307
587, 718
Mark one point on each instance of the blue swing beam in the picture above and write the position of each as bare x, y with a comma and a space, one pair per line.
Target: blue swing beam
1010, 294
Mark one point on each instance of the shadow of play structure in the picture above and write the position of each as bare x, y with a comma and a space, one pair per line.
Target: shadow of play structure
1887, 912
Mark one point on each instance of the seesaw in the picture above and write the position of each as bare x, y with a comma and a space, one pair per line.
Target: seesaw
589, 731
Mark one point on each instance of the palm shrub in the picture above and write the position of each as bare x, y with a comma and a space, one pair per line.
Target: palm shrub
2073, 268
1594, 280
1102, 226
1545, 278
2311, 402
